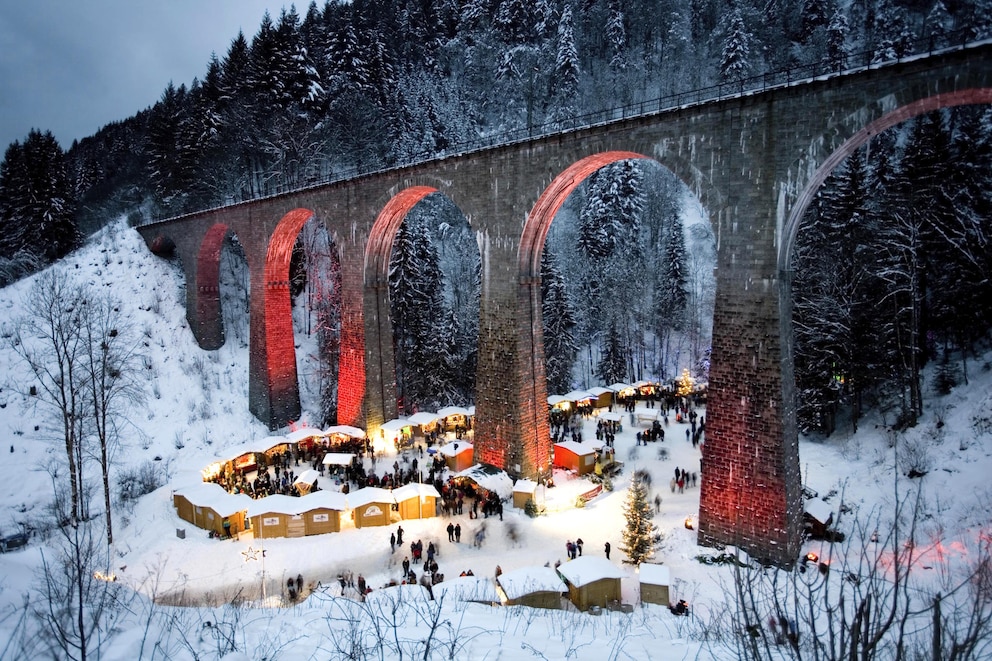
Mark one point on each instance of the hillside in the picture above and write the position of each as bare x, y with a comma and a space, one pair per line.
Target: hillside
196, 408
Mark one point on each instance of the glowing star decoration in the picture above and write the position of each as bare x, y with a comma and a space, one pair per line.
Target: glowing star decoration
251, 554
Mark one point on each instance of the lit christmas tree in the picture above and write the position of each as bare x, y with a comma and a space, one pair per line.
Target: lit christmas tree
686, 383
638, 535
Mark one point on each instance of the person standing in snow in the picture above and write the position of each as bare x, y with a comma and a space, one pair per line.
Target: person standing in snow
578, 545
458, 532
451, 532
392, 542
607, 549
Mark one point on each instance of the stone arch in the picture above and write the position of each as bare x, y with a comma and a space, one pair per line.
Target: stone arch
972, 96
279, 351
208, 324
379, 358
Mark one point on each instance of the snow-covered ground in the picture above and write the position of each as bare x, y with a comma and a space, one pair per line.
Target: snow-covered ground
197, 409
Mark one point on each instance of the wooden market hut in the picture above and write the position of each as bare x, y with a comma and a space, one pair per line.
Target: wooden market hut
323, 512
559, 402
207, 505
537, 587
371, 506
305, 438
424, 423
458, 455
655, 580
396, 432
578, 457
276, 516
523, 490
289, 516
416, 500
592, 581
454, 417
476, 589
603, 397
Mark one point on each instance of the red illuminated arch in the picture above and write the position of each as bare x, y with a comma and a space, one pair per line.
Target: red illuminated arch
380, 245
280, 354
967, 97
540, 217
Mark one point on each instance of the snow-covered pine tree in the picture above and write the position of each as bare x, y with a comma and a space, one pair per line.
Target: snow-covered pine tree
565, 82
735, 62
36, 200
612, 366
637, 536
559, 320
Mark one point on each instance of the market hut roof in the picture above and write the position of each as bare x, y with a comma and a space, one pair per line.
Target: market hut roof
580, 449
652, 574
525, 486
589, 569
209, 494
367, 495
337, 458
414, 490
309, 476
423, 418
467, 588
302, 434
396, 424
452, 410
528, 580
455, 448
347, 430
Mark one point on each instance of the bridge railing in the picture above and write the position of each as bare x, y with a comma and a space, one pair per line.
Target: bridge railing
848, 64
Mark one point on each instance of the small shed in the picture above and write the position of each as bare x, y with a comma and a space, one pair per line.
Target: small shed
603, 396
416, 500
538, 587
577, 457
458, 455
206, 505
592, 581
371, 506
655, 580
559, 402
523, 490
322, 512
305, 437
277, 516
288, 516
306, 481
817, 517
396, 431
453, 417
424, 421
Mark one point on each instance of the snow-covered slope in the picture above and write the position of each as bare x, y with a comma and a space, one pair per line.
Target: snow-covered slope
197, 408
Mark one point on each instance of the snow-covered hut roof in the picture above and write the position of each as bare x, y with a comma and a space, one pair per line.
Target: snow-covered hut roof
652, 574
302, 434
589, 569
423, 418
452, 410
619, 386
337, 458
280, 504
466, 588
347, 430
819, 509
309, 476
579, 395
580, 449
455, 448
367, 495
555, 400
258, 445
209, 494
396, 424
489, 477
599, 390
414, 490
528, 580
525, 486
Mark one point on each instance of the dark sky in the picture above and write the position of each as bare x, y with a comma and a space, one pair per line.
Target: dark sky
73, 66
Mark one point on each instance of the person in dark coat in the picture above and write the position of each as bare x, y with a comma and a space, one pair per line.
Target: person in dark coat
607, 549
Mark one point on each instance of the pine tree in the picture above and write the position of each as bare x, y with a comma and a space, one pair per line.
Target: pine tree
559, 320
612, 367
735, 59
637, 537
37, 205
565, 81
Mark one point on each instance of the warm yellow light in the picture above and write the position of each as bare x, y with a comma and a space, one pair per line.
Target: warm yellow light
689, 523
812, 557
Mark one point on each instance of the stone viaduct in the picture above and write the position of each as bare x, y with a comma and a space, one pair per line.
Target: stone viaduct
755, 161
